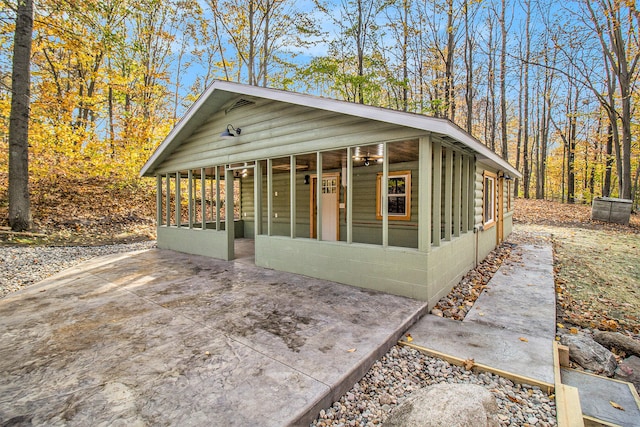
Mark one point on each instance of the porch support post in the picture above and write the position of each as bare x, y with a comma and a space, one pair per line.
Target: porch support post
349, 198
168, 200
457, 192
213, 198
257, 199
425, 165
190, 199
319, 195
471, 209
385, 196
292, 196
178, 199
269, 197
158, 200
436, 220
448, 192
465, 194
218, 198
203, 198
229, 213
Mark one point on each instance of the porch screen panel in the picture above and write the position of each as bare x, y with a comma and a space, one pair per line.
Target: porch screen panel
281, 194
402, 189
305, 170
264, 204
367, 163
197, 205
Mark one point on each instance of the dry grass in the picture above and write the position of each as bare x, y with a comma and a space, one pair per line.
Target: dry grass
597, 268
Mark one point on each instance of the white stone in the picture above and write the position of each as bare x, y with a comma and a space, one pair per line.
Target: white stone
451, 405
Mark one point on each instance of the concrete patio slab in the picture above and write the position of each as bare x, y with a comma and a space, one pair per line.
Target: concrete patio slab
161, 338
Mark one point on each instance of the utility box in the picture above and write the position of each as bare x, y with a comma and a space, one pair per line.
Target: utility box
609, 209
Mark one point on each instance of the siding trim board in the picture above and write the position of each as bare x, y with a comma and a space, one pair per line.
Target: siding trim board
421, 257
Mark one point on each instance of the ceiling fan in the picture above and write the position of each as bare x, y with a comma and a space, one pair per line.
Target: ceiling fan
367, 159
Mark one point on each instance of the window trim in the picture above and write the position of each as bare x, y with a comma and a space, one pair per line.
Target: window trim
407, 195
492, 178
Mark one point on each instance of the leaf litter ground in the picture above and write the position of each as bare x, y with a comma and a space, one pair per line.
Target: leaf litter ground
596, 264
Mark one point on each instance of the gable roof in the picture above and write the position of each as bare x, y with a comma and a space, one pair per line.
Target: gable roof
220, 92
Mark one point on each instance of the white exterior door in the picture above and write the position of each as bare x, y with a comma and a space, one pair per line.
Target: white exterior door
330, 208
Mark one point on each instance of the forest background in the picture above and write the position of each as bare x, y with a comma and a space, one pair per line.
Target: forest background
550, 86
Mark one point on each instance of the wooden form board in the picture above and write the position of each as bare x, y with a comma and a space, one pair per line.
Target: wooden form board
478, 367
568, 409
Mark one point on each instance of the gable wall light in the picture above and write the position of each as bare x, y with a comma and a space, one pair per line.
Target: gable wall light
229, 132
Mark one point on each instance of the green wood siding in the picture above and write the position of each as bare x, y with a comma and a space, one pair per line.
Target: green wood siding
273, 129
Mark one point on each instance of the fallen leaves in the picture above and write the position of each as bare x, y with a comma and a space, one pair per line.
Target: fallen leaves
615, 405
462, 297
351, 350
523, 339
469, 364
409, 338
514, 400
90, 210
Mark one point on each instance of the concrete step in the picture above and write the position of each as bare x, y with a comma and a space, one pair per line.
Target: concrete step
597, 393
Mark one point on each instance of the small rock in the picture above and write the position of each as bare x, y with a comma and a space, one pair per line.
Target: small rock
385, 399
629, 370
437, 312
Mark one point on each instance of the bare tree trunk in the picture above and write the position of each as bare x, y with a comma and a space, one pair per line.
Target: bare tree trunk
252, 48
19, 201
527, 57
468, 62
606, 189
450, 100
491, 92
635, 185
360, 52
503, 83
571, 146
405, 60
622, 57
265, 45
516, 185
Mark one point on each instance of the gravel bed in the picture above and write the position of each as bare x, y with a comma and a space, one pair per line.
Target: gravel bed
21, 266
403, 370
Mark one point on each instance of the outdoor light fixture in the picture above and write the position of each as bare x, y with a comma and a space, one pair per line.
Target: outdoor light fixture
228, 133
366, 161
307, 179
239, 174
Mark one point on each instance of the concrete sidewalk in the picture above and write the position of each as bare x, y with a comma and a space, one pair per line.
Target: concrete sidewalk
161, 338
511, 327
511, 330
